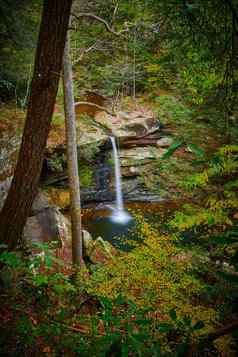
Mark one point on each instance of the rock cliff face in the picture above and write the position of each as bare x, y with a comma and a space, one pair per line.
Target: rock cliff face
141, 139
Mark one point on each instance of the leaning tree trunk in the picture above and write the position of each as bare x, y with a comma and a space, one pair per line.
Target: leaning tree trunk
72, 157
48, 63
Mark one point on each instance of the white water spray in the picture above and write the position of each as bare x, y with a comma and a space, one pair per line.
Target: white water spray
119, 215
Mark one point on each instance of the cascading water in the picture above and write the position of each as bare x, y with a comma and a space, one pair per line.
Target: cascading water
119, 214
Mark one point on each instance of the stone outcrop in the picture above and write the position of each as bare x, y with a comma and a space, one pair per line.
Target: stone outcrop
46, 224
97, 251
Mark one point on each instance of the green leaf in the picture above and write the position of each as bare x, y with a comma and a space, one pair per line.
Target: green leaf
173, 315
198, 325
142, 322
120, 300
173, 147
48, 261
164, 327
125, 349
198, 151
10, 259
41, 280
223, 240
210, 220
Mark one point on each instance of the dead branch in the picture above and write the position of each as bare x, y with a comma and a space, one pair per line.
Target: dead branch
222, 331
100, 19
83, 52
114, 12
212, 336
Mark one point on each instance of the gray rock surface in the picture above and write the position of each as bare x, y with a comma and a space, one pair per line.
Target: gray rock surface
164, 142
47, 226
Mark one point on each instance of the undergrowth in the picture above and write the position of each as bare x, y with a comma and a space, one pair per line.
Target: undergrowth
168, 296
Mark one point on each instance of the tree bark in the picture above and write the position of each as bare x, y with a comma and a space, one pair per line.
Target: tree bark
48, 62
72, 157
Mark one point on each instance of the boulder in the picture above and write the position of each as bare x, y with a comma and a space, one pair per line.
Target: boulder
135, 123
97, 250
48, 225
40, 203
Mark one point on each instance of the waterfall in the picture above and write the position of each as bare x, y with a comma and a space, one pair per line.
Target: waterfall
119, 198
119, 215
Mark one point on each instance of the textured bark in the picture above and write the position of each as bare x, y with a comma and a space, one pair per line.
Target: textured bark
72, 157
48, 62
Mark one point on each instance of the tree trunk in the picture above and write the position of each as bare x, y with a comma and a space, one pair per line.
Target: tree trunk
72, 157
48, 62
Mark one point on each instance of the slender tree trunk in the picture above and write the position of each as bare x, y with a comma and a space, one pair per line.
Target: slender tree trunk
48, 62
72, 157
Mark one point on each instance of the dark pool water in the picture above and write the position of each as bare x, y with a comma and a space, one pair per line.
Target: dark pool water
121, 235
124, 235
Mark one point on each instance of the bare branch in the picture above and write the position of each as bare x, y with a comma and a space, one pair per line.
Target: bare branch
83, 52
114, 13
100, 19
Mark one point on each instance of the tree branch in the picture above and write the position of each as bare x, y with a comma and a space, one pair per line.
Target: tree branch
212, 336
83, 52
222, 331
100, 19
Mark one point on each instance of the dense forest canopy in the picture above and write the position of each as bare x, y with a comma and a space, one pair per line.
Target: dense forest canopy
18, 35
190, 43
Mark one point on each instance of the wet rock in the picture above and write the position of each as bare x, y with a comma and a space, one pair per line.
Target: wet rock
164, 142
131, 171
98, 250
139, 155
93, 196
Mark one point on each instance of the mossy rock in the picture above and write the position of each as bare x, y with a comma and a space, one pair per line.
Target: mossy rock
97, 251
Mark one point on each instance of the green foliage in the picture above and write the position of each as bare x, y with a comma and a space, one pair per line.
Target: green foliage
56, 162
214, 225
46, 321
199, 77
86, 175
89, 151
171, 109
173, 147
17, 41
